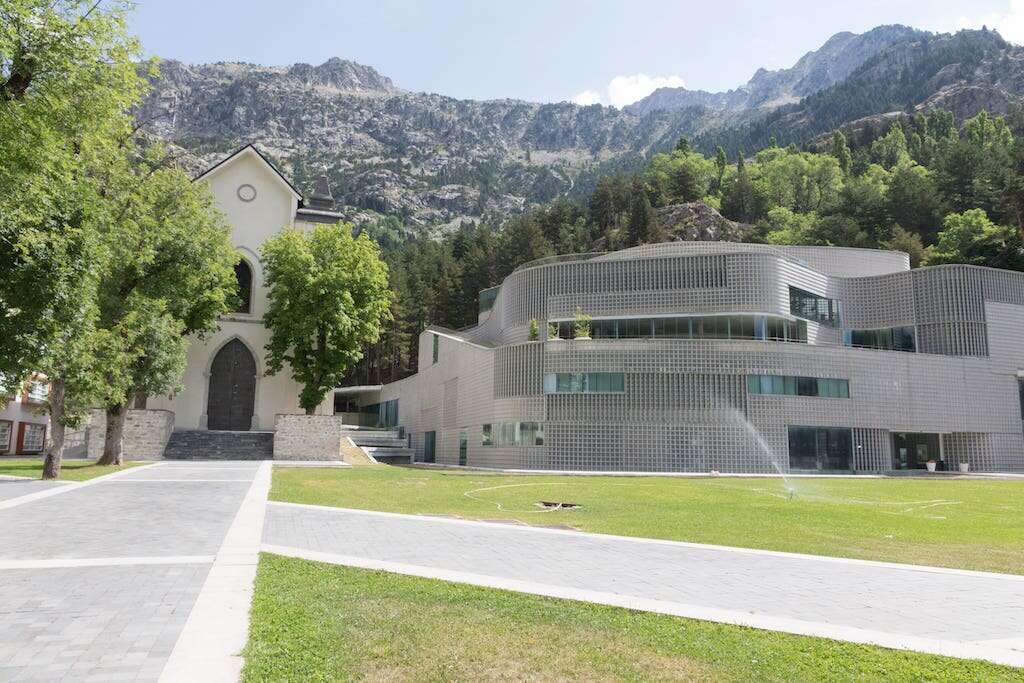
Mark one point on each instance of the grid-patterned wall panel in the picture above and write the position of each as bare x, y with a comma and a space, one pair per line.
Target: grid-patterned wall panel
518, 370
685, 405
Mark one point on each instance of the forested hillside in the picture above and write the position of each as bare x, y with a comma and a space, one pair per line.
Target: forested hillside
942, 190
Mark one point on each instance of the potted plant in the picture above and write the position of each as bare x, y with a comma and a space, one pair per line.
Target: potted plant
965, 467
534, 332
582, 324
930, 465
553, 332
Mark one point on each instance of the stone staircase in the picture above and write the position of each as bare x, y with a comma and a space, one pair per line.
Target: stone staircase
215, 445
385, 445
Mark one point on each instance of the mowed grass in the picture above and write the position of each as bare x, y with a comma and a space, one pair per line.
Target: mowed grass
963, 523
70, 470
319, 622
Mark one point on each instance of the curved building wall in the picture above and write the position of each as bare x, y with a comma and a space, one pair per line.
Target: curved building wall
695, 404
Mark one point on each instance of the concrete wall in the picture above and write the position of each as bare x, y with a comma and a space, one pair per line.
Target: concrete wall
308, 437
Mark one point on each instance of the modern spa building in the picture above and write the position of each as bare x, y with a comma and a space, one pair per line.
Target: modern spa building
728, 357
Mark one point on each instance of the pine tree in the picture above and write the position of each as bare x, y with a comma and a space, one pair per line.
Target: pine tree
640, 215
721, 162
841, 151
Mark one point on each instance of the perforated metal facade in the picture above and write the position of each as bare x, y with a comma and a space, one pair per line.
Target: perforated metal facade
685, 404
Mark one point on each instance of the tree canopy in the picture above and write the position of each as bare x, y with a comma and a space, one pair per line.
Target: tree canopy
328, 296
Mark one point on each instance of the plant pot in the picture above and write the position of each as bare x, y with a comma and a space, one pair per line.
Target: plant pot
965, 467
930, 466
581, 338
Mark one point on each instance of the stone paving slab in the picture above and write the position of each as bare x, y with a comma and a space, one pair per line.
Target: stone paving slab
100, 580
905, 601
123, 518
105, 622
15, 488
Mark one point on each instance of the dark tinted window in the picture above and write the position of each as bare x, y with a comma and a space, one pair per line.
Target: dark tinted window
243, 276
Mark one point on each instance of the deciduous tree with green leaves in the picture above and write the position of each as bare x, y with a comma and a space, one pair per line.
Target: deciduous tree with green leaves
68, 77
328, 297
171, 273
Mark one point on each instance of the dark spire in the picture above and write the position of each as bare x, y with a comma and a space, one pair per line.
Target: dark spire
322, 199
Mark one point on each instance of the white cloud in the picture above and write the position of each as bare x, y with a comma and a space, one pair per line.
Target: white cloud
1009, 23
587, 97
623, 90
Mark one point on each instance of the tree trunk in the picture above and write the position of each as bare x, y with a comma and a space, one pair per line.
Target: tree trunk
311, 411
113, 442
55, 451
141, 399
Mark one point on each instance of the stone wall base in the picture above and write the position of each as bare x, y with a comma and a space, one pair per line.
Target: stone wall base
308, 437
145, 435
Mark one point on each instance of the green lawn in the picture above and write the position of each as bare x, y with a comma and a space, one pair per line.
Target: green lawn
972, 524
319, 622
70, 470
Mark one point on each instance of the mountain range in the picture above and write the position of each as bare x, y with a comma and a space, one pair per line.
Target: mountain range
433, 161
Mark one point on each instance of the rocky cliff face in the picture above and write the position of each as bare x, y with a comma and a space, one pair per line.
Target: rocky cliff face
426, 158
432, 160
964, 73
816, 70
696, 221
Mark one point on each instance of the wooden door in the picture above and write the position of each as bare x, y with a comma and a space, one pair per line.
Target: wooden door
232, 395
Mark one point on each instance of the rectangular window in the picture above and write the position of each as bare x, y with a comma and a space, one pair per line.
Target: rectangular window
437, 341
38, 392
6, 427
820, 448
513, 434
888, 339
1020, 388
532, 434
694, 327
814, 307
32, 437
784, 385
584, 383
486, 299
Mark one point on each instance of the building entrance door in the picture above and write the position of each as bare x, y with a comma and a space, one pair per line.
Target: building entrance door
232, 395
463, 447
913, 450
429, 445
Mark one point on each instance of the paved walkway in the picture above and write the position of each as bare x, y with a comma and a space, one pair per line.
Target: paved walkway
100, 578
953, 612
147, 574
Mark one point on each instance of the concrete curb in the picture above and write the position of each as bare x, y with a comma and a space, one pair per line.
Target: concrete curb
210, 645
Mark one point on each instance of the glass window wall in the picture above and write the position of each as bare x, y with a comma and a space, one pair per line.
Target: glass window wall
584, 383
820, 448
754, 327
814, 307
889, 339
513, 434
784, 385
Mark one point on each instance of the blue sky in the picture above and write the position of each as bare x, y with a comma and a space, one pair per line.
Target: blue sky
547, 51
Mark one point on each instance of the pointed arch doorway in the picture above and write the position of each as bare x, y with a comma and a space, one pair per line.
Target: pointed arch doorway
232, 395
